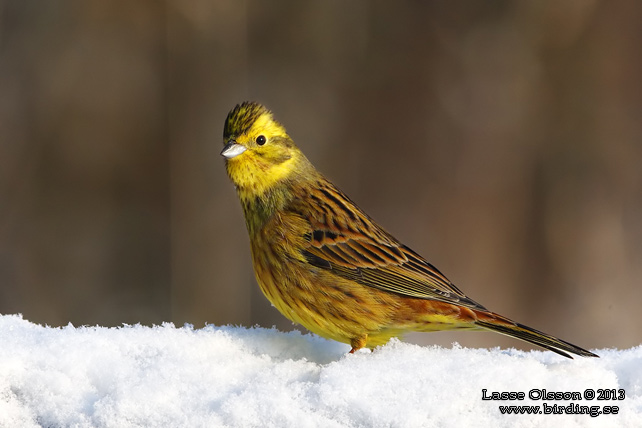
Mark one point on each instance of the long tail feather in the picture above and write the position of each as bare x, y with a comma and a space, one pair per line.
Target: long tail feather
500, 324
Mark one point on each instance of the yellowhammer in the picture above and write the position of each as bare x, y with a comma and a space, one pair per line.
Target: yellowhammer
326, 265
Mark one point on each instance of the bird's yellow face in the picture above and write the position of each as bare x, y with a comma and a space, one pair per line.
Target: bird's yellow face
258, 152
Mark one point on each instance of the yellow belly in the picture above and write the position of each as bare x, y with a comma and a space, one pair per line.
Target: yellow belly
335, 307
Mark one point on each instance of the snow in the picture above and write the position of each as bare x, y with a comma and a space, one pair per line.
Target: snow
164, 376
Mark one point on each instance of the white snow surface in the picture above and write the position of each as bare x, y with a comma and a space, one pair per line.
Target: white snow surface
164, 376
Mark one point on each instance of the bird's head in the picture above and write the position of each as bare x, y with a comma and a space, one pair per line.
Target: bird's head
258, 153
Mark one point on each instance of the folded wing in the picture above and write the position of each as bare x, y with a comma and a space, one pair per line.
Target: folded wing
346, 242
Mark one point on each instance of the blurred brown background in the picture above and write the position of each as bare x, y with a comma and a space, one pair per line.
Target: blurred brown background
502, 140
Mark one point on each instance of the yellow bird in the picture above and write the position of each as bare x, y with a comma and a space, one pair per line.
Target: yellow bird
325, 264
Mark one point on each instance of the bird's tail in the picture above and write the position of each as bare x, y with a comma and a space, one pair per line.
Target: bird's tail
500, 324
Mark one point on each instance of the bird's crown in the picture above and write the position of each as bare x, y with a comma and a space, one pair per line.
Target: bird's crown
247, 116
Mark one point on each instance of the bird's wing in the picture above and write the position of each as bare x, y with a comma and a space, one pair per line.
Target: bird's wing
345, 241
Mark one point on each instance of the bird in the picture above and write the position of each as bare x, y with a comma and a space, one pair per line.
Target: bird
327, 265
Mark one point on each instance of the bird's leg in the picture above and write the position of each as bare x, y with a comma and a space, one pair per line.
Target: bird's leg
358, 343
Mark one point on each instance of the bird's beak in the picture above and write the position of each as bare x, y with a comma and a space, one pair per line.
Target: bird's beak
232, 150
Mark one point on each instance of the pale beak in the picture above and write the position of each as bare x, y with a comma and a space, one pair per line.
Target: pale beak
232, 150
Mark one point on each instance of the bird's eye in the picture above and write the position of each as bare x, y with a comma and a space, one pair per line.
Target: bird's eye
260, 140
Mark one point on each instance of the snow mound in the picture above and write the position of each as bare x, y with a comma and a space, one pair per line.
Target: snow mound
164, 376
